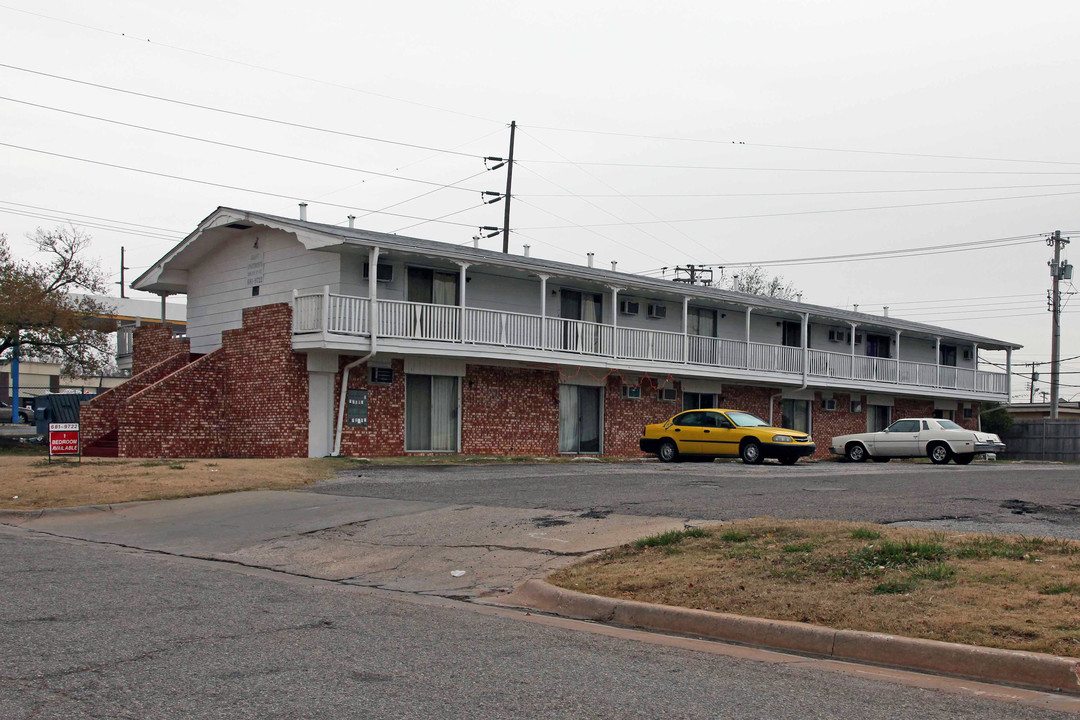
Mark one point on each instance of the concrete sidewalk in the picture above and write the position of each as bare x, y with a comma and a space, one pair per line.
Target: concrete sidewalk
404, 545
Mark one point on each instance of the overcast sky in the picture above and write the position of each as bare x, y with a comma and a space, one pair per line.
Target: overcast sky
818, 117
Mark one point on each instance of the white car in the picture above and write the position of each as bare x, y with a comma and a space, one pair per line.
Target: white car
939, 440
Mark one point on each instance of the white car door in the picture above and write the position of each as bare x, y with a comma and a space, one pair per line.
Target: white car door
901, 439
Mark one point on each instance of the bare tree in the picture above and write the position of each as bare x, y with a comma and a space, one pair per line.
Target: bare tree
756, 281
38, 311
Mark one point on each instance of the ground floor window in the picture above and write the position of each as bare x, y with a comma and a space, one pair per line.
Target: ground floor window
878, 417
697, 401
795, 415
579, 419
431, 413
945, 414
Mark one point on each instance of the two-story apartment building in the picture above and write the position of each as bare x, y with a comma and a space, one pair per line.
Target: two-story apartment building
450, 348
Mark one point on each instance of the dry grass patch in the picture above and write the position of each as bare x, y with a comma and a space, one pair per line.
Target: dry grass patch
30, 483
1012, 592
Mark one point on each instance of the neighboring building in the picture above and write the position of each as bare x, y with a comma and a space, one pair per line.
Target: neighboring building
1034, 411
38, 378
132, 312
475, 351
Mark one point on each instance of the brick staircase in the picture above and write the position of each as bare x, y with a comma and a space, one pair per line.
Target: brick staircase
106, 446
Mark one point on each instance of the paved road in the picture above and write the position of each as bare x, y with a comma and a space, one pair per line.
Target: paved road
1002, 497
93, 631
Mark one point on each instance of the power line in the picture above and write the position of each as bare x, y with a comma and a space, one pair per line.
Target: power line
92, 217
752, 168
233, 146
740, 143
235, 113
220, 58
218, 185
901, 252
83, 223
818, 212
923, 302
594, 232
800, 194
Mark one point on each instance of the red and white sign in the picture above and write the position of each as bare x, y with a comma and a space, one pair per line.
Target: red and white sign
63, 438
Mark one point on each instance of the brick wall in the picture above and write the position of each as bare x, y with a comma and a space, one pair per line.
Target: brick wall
971, 423
102, 414
911, 408
510, 411
385, 431
181, 415
151, 344
624, 418
753, 400
828, 424
266, 386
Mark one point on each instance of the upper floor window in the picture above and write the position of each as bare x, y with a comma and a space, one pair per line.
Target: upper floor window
432, 286
948, 355
701, 321
792, 334
877, 346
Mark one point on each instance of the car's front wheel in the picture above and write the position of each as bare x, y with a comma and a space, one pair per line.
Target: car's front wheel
856, 452
964, 458
750, 453
668, 452
939, 453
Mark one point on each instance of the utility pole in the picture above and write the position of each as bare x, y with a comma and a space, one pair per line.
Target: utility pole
122, 269
1057, 272
509, 181
1034, 377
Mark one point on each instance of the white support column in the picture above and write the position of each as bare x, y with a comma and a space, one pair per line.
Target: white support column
1008, 375
685, 329
543, 311
462, 267
975, 355
937, 362
614, 321
805, 347
372, 292
749, 310
897, 355
326, 309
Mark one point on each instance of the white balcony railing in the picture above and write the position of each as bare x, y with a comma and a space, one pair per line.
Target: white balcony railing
347, 315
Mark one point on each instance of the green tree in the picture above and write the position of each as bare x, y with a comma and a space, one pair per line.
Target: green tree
996, 419
39, 311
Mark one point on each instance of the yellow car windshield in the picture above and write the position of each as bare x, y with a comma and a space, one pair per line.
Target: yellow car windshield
745, 419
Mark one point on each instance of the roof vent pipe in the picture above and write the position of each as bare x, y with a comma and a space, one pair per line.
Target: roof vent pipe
591, 256
614, 264
886, 311
352, 221
476, 241
525, 248
303, 211
856, 306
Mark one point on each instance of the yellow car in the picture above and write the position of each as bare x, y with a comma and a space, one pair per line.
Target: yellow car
724, 433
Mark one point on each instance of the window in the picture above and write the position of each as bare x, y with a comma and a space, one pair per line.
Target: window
667, 394
948, 425
382, 376
745, 419
948, 355
792, 334
432, 286
701, 321
384, 272
795, 415
580, 419
254, 291
690, 419
431, 413
904, 426
856, 406
877, 346
631, 392
969, 412
693, 401
945, 415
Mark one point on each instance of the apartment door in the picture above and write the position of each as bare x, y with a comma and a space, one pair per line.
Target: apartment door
433, 287
702, 322
795, 415
877, 345
792, 335
878, 417
694, 401
587, 307
431, 413
579, 419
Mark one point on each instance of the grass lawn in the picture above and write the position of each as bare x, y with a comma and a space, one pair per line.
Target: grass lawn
1014, 592
29, 482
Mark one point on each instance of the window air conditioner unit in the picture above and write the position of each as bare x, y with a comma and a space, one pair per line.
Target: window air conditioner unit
668, 394
631, 392
828, 404
967, 354
382, 376
657, 310
384, 272
629, 307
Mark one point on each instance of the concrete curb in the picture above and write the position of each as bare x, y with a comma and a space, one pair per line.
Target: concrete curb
1035, 670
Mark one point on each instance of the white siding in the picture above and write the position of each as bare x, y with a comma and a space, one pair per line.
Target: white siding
219, 290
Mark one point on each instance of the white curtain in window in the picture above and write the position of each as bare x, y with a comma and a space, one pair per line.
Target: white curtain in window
569, 409
417, 412
444, 289
444, 413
